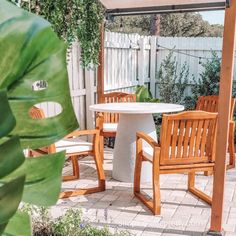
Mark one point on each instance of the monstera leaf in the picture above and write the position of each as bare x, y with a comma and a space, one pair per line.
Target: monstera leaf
31, 54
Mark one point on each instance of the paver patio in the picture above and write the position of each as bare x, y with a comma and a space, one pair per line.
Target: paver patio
182, 213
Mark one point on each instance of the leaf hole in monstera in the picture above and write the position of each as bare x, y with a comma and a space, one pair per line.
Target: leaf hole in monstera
39, 85
45, 110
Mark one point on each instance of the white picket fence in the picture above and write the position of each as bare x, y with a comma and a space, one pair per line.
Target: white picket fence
131, 60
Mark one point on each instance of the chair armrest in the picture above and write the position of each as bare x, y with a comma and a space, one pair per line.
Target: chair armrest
94, 132
148, 139
83, 132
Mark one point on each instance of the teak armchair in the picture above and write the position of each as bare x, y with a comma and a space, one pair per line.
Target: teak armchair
75, 148
210, 104
187, 145
107, 122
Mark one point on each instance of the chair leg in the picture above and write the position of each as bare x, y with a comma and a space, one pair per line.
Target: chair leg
101, 148
75, 167
137, 172
101, 182
156, 190
231, 146
138, 167
153, 204
195, 191
100, 172
191, 180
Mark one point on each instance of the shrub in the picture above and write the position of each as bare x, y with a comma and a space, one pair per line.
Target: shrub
209, 81
171, 84
69, 224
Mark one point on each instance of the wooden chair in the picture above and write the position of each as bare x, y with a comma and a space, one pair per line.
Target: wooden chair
187, 145
107, 122
210, 104
75, 148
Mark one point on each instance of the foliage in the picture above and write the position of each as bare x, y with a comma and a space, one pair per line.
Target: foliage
69, 224
171, 25
144, 95
171, 84
188, 25
73, 20
209, 81
189, 103
90, 19
30, 52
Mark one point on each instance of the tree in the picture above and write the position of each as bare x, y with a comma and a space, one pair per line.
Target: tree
155, 25
130, 24
173, 25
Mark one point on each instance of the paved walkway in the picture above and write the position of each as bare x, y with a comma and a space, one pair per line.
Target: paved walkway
182, 213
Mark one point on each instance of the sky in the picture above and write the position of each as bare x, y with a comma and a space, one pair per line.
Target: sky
213, 17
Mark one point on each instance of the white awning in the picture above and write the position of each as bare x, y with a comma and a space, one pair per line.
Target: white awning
132, 7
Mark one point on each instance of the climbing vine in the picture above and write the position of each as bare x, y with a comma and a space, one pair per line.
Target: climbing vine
73, 20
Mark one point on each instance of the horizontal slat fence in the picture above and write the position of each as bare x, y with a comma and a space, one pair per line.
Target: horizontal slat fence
131, 59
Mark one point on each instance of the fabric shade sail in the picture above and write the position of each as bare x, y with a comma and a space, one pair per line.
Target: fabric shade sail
133, 7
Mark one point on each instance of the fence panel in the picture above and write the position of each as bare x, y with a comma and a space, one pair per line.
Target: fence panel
121, 62
192, 51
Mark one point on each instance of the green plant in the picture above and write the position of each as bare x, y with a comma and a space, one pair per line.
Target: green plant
30, 53
171, 84
90, 20
208, 83
41, 222
69, 224
144, 95
73, 20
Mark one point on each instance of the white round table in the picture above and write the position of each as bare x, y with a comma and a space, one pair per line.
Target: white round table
134, 117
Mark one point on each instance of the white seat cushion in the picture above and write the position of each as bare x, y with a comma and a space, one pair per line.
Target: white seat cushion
148, 153
73, 145
110, 127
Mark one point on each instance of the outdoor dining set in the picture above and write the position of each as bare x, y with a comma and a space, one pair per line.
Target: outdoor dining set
187, 144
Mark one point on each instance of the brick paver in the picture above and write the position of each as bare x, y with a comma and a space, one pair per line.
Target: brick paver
182, 213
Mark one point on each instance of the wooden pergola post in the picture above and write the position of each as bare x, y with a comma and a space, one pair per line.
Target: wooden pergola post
227, 70
100, 74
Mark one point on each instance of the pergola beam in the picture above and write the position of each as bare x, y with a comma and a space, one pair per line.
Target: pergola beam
167, 9
137, 7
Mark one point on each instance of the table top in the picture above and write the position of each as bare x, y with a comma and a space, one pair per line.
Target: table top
136, 107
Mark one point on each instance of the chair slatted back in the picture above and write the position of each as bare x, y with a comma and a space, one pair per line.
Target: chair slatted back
210, 104
36, 113
116, 97
188, 138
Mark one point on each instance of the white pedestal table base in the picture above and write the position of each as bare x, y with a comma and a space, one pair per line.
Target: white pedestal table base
125, 146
